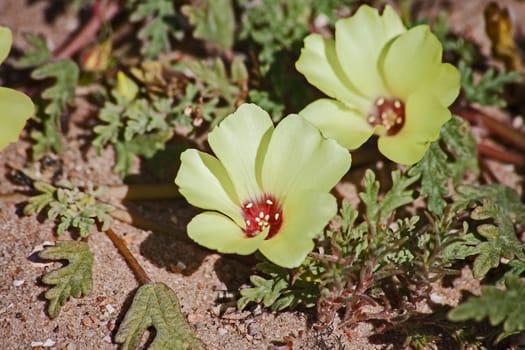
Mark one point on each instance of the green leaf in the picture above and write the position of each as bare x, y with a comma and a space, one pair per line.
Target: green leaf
73, 280
489, 89
441, 164
500, 306
155, 305
275, 26
503, 207
60, 94
278, 292
159, 26
396, 197
36, 57
214, 21
73, 208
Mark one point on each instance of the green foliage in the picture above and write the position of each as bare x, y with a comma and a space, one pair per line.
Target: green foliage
499, 208
73, 280
73, 208
155, 305
505, 306
274, 26
278, 292
59, 95
159, 21
449, 158
489, 89
219, 90
39, 55
213, 20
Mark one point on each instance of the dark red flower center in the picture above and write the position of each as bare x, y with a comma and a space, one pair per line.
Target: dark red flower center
389, 113
262, 213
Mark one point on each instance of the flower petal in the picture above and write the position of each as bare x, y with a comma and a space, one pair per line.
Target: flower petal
425, 115
239, 143
336, 121
446, 84
216, 231
304, 217
403, 151
299, 158
15, 109
411, 61
319, 64
359, 42
203, 181
6, 40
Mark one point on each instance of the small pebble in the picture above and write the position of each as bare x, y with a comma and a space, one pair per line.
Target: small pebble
110, 308
18, 283
222, 331
46, 344
436, 298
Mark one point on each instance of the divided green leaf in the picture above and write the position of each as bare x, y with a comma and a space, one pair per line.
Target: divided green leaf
159, 25
278, 292
444, 162
489, 89
214, 21
59, 95
499, 208
155, 305
72, 207
36, 57
505, 306
73, 280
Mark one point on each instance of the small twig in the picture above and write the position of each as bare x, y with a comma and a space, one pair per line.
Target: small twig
143, 191
505, 132
102, 11
140, 273
501, 155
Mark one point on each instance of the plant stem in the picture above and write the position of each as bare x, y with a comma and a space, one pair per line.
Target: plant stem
505, 132
140, 274
501, 155
143, 191
102, 11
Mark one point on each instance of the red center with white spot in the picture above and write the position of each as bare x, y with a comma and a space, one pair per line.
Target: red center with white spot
262, 213
389, 113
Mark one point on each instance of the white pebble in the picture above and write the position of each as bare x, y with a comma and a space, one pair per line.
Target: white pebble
110, 308
222, 331
18, 283
436, 298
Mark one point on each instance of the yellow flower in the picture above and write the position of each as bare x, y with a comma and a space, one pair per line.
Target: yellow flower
384, 80
267, 189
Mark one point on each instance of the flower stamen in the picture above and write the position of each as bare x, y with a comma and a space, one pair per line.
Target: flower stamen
390, 113
261, 214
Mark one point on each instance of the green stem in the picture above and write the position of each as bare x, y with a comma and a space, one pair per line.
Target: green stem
135, 192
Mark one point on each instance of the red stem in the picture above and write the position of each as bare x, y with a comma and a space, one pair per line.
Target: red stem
505, 132
102, 11
501, 155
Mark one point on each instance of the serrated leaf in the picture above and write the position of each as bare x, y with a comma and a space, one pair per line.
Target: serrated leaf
159, 25
437, 167
73, 280
214, 21
59, 95
487, 90
507, 306
155, 305
504, 208
39, 55
397, 196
